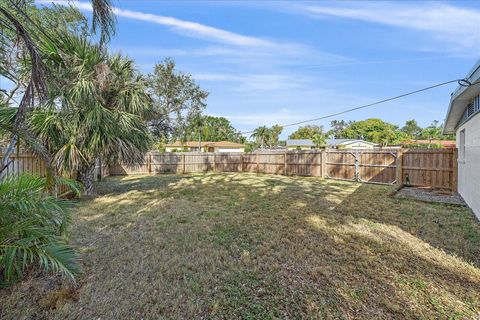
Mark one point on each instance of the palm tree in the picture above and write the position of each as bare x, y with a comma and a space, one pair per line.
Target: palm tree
20, 28
32, 230
275, 132
261, 135
319, 140
95, 110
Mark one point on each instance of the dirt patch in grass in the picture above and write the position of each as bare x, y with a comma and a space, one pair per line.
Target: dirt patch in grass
225, 246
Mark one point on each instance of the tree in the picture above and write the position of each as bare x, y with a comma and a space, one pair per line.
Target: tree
412, 129
374, 130
212, 128
29, 38
319, 140
337, 126
307, 132
266, 137
432, 132
96, 110
275, 132
261, 135
177, 101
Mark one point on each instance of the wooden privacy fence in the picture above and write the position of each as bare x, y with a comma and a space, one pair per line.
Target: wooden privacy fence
419, 167
31, 164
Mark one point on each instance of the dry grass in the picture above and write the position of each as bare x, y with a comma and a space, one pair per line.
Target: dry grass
257, 247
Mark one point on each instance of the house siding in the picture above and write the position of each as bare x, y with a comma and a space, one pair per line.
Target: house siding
358, 145
227, 149
469, 168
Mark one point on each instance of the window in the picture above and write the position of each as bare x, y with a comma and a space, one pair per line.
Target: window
473, 107
461, 146
470, 109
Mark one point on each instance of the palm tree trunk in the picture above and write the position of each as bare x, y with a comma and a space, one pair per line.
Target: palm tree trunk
86, 177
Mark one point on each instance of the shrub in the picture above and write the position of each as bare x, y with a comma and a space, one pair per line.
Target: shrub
33, 230
423, 146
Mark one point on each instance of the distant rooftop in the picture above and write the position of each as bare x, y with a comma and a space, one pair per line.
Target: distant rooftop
328, 142
195, 144
300, 142
336, 142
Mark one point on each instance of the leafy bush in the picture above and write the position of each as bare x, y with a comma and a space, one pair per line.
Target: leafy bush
33, 229
423, 146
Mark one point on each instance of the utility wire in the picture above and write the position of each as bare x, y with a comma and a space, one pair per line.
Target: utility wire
370, 104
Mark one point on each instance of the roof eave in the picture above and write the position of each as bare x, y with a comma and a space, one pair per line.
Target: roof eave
453, 116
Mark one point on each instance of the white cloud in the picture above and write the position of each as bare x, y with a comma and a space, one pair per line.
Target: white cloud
456, 25
187, 27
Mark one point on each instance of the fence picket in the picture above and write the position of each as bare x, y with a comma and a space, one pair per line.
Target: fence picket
432, 167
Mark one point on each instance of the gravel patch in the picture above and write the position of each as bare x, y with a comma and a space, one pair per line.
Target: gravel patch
431, 195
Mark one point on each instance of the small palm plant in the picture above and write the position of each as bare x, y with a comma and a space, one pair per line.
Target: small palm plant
33, 228
319, 140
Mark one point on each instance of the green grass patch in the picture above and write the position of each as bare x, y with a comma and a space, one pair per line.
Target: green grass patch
247, 246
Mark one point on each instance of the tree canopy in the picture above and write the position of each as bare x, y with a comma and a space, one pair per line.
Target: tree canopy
411, 128
266, 137
307, 132
95, 110
177, 101
210, 128
374, 130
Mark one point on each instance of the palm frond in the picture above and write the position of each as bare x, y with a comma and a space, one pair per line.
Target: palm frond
103, 18
33, 227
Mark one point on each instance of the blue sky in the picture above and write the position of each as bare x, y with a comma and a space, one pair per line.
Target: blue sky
278, 62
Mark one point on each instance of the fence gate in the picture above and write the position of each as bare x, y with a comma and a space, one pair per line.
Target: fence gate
362, 166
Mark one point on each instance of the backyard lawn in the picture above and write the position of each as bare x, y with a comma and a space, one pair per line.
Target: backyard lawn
257, 247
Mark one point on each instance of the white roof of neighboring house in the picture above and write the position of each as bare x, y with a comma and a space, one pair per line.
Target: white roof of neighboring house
460, 99
337, 142
328, 142
195, 144
300, 142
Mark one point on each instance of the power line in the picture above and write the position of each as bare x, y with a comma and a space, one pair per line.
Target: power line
370, 104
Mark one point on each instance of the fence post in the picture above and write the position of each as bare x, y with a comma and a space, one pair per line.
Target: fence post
256, 157
324, 163
399, 167
214, 162
183, 163
149, 163
241, 162
455, 171
285, 171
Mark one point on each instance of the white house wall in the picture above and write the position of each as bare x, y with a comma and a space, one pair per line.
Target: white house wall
469, 169
230, 150
358, 145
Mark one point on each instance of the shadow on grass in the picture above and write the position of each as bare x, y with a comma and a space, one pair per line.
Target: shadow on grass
369, 250
263, 246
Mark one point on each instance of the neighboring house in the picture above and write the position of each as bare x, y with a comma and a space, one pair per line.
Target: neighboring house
191, 146
463, 119
300, 144
205, 146
307, 144
350, 144
442, 143
224, 146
